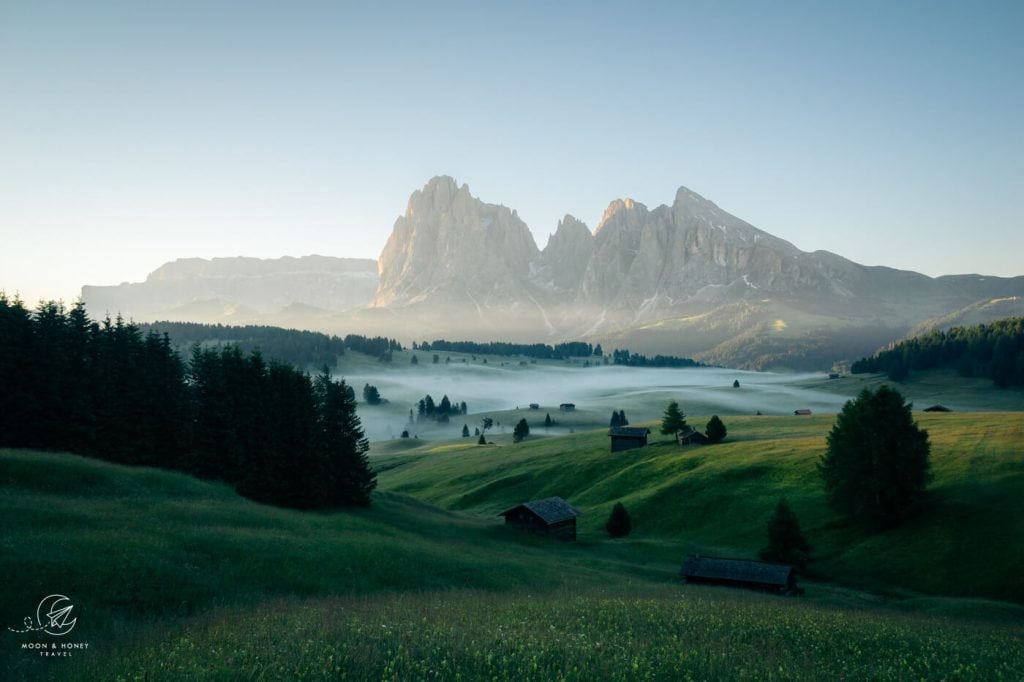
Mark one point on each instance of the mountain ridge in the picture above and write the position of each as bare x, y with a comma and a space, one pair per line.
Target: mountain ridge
686, 278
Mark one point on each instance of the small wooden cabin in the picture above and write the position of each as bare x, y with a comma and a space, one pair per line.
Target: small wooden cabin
628, 437
756, 575
690, 436
801, 413
567, 407
937, 408
534, 406
552, 516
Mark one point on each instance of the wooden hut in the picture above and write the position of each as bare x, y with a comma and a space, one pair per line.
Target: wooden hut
757, 575
567, 407
689, 436
801, 413
552, 516
628, 437
937, 408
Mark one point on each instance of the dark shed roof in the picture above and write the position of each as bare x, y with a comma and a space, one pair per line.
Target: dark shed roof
738, 570
550, 509
629, 431
937, 408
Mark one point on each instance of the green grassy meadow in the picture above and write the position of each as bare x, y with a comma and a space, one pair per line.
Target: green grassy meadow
174, 578
715, 500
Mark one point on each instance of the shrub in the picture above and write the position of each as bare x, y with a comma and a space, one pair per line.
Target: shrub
619, 524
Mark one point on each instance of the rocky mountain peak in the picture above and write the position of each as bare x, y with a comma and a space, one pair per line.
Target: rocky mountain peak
619, 207
451, 242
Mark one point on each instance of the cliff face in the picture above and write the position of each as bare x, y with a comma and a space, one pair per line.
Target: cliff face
450, 246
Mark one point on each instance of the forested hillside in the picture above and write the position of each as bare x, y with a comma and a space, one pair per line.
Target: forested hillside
995, 351
294, 346
108, 391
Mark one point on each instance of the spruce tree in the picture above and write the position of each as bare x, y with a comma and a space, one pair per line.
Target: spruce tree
465, 430
345, 446
521, 430
878, 460
619, 524
482, 440
547, 420
786, 542
673, 421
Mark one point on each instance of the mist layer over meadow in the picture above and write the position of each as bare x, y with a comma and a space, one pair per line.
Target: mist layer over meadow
595, 391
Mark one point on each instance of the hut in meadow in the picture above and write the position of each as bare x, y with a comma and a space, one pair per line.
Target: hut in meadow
757, 575
937, 408
802, 413
552, 517
567, 407
689, 436
628, 437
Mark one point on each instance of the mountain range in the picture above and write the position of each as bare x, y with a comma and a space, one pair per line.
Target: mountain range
683, 279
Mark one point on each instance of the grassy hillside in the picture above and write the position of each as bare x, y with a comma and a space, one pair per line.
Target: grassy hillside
925, 388
716, 500
174, 578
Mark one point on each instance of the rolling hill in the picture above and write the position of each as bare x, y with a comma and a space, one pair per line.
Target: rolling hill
176, 578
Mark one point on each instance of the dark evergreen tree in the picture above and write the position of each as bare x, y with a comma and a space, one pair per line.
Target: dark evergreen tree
877, 463
673, 421
786, 542
465, 430
736, 383
622, 418
482, 440
715, 430
615, 420
619, 524
547, 420
414, 361
371, 396
521, 430
342, 442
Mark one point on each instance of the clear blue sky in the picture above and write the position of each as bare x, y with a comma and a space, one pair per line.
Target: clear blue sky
133, 133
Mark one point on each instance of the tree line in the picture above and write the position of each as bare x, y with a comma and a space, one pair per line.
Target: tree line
294, 346
624, 357
994, 351
539, 351
299, 348
106, 390
440, 412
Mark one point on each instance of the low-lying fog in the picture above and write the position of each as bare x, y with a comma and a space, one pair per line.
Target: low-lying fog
596, 391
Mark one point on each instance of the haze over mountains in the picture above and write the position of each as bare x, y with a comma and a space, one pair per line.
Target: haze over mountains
683, 279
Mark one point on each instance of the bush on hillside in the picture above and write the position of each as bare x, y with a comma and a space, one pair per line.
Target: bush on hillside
715, 430
619, 524
786, 542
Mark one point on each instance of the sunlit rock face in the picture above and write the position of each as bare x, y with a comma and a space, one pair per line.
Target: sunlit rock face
688, 278
566, 257
449, 245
